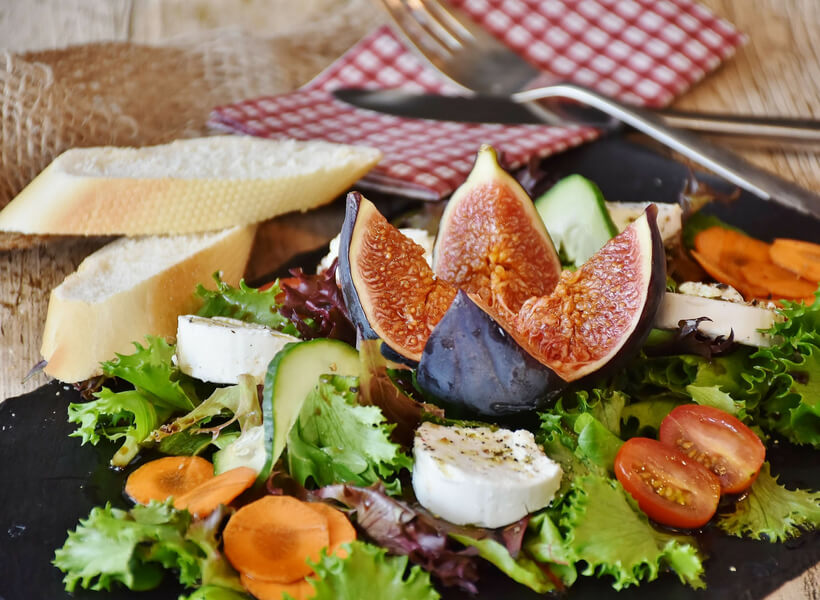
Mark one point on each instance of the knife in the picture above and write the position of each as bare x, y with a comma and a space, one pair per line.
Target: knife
501, 109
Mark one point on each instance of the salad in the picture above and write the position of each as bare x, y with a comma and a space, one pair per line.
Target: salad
296, 442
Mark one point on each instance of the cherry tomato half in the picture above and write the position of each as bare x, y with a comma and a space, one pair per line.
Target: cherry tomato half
718, 441
668, 486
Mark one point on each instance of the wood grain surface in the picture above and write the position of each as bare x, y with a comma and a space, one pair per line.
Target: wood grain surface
776, 73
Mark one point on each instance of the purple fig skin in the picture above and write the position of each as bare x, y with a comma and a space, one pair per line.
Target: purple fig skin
478, 370
349, 293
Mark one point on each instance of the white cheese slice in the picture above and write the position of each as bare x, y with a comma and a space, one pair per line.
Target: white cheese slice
669, 217
220, 349
477, 476
718, 291
420, 236
725, 316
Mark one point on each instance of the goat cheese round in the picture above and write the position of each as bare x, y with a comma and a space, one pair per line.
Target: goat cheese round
220, 349
480, 476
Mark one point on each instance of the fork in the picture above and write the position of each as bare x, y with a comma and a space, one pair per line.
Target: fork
474, 60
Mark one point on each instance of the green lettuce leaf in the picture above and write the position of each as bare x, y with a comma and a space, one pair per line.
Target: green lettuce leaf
645, 417
367, 573
545, 544
713, 396
151, 371
605, 529
522, 569
215, 592
129, 416
589, 429
771, 511
596, 443
246, 304
542, 562
337, 440
135, 547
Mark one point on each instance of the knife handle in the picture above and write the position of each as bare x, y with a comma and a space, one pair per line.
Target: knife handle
728, 165
773, 129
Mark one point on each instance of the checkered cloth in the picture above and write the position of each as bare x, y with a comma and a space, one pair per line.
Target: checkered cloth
640, 51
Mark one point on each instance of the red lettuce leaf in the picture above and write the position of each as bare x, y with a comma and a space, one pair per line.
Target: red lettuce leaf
314, 304
403, 530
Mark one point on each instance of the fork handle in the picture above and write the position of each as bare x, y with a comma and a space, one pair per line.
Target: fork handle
728, 165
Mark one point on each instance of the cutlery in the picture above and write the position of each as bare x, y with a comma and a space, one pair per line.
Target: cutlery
482, 108
470, 57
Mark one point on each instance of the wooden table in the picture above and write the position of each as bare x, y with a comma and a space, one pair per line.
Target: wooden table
777, 72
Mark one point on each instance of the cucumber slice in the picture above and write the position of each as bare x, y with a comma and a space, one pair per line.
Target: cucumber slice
576, 218
291, 376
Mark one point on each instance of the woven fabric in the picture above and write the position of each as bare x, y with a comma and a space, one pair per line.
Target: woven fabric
125, 94
640, 51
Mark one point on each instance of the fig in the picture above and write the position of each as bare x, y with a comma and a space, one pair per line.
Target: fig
498, 329
388, 287
601, 314
473, 365
492, 243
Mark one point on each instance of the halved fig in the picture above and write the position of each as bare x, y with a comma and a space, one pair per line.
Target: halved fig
473, 365
388, 287
492, 243
600, 314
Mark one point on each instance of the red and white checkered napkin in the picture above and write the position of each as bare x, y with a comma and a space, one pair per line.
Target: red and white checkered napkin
639, 51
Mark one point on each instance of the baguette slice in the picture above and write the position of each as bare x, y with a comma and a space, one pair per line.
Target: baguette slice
131, 288
187, 186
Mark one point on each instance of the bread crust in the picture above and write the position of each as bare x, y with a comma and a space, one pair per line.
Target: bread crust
79, 333
60, 201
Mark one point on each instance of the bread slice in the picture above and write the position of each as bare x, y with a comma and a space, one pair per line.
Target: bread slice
131, 288
187, 186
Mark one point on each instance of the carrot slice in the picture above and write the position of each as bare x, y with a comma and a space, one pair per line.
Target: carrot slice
165, 477
799, 257
722, 245
340, 530
222, 489
731, 275
272, 538
268, 590
778, 281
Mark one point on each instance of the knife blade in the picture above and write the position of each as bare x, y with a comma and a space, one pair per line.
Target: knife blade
461, 109
478, 108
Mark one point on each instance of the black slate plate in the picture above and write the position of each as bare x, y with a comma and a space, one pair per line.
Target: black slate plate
48, 481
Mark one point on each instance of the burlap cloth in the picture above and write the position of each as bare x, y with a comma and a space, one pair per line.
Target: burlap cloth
121, 93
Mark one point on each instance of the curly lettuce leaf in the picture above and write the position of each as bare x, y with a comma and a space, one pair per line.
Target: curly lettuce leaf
606, 530
522, 568
337, 440
771, 511
589, 429
151, 370
315, 306
130, 547
129, 416
542, 563
713, 396
245, 303
367, 572
793, 406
